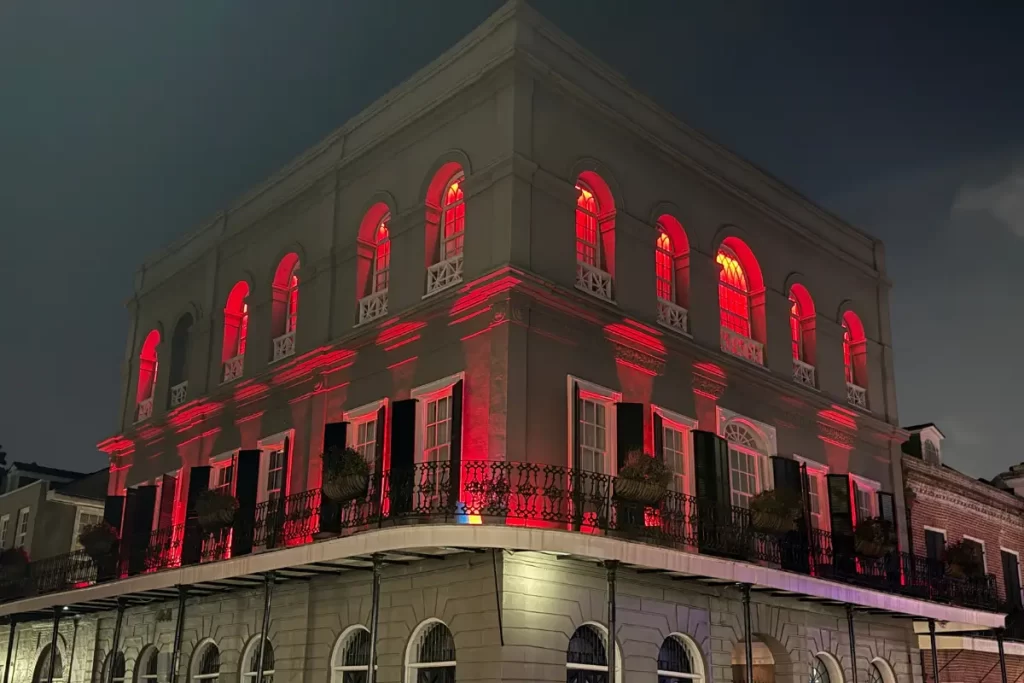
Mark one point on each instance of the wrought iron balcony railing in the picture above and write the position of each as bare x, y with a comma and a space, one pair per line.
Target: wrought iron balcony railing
522, 494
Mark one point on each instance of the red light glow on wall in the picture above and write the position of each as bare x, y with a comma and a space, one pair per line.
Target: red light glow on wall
250, 391
478, 293
395, 331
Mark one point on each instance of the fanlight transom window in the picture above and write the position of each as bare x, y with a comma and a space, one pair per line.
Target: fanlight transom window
678, 661
352, 657
42, 674
251, 662
586, 660
733, 292
207, 666
432, 656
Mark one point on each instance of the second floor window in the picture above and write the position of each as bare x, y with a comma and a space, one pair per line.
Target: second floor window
748, 463
453, 218
21, 531
236, 321
733, 293
381, 256
588, 246
437, 432
292, 318
664, 268
147, 372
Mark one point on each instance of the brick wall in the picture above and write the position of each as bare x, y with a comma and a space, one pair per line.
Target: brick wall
966, 666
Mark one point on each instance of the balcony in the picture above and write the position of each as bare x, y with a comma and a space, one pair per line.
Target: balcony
444, 274
515, 495
373, 306
144, 410
593, 281
233, 368
746, 348
856, 396
284, 346
803, 373
178, 393
673, 317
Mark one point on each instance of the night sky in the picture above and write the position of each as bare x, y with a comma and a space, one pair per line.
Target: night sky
125, 124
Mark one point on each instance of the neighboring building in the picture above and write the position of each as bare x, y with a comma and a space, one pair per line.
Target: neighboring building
984, 522
43, 508
496, 283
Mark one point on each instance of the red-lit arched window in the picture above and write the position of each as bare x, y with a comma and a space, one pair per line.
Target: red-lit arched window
147, 372
664, 267
733, 292
236, 322
794, 327
801, 324
292, 318
588, 246
854, 349
453, 217
381, 256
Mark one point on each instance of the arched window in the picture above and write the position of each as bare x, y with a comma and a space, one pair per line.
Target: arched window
206, 664
351, 660
825, 669
373, 263
430, 657
740, 301
679, 660
42, 672
381, 256
672, 274
114, 670
881, 672
179, 360
284, 308
588, 248
855, 360
749, 471
802, 334
236, 329
446, 228
595, 236
586, 660
147, 667
147, 376
251, 661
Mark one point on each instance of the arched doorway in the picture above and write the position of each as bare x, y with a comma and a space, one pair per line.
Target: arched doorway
764, 662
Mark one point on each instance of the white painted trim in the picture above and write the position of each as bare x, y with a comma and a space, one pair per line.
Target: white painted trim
935, 529
599, 548
436, 386
269, 442
811, 464
364, 411
221, 457
984, 550
726, 416
603, 630
611, 427
412, 667
974, 644
885, 668
338, 671
675, 418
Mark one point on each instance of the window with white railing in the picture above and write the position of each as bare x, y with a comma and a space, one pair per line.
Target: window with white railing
740, 301
855, 360
446, 229
236, 331
802, 335
595, 236
672, 274
147, 376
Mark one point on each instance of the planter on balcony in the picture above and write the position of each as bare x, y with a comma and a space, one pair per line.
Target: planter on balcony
962, 561
98, 540
346, 475
874, 537
215, 510
775, 511
13, 565
644, 479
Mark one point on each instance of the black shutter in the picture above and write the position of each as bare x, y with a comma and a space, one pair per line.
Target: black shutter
378, 447
1011, 579
576, 476
715, 529
142, 504
113, 512
789, 476
842, 523
247, 483
659, 436
935, 553
192, 546
286, 468
168, 496
455, 450
629, 438
402, 478
335, 437
887, 511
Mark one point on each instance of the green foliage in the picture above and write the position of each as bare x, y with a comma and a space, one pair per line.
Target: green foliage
646, 468
100, 536
344, 462
779, 503
964, 558
875, 535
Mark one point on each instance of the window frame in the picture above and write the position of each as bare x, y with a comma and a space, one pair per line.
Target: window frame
746, 294
685, 425
695, 655
149, 653
764, 480
221, 461
820, 472
197, 660
458, 237
375, 270
340, 649
5, 525
984, 551
358, 417
245, 675
865, 484
424, 395
269, 445
669, 257
412, 654
77, 529
20, 536
609, 397
591, 214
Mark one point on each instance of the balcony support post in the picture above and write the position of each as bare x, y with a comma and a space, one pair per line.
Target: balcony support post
179, 628
853, 644
748, 644
612, 566
935, 653
53, 642
268, 590
10, 649
371, 666
1002, 654
71, 654
116, 645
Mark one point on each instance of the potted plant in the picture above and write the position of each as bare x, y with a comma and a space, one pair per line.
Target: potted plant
643, 479
98, 540
346, 475
13, 564
775, 511
964, 561
874, 537
215, 510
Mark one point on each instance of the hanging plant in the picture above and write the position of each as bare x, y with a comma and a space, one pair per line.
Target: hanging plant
346, 475
643, 479
874, 537
98, 539
215, 510
963, 561
775, 511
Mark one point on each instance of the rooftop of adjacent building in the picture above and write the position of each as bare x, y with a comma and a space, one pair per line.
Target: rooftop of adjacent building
72, 483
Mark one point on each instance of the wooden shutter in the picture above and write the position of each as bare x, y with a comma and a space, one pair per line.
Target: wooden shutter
1011, 578
629, 437
574, 415
714, 507
335, 437
286, 468
198, 482
840, 494
247, 484
113, 512
934, 545
887, 511
378, 447
168, 497
455, 449
402, 477
789, 476
139, 512
659, 435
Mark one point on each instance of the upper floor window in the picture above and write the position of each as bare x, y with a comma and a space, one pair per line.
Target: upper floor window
373, 263
593, 414
855, 360
236, 329
180, 342
740, 301
588, 249
21, 531
802, 335
672, 274
446, 227
430, 655
381, 256
595, 235
751, 443
147, 376
285, 307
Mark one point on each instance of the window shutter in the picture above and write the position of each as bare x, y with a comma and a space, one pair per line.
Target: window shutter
113, 511
455, 449
247, 482
198, 481
789, 476
1011, 579
659, 435
286, 468
168, 496
402, 476
840, 493
335, 437
141, 504
714, 509
934, 545
629, 437
887, 510
575, 416
378, 448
